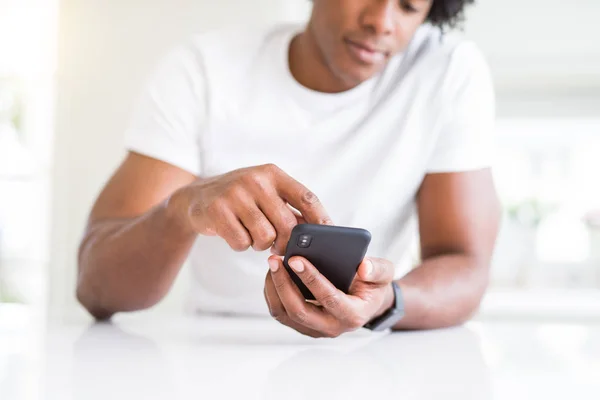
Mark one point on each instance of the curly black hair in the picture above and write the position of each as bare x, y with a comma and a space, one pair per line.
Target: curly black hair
447, 13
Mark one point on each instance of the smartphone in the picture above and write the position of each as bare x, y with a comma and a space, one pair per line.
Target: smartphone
335, 251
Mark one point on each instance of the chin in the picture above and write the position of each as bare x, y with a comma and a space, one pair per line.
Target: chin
356, 76
353, 73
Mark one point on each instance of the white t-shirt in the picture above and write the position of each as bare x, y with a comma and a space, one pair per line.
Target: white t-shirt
227, 100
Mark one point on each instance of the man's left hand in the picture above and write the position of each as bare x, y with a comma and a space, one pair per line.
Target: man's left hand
370, 295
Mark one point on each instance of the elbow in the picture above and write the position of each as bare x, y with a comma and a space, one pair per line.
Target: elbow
102, 296
473, 296
84, 294
102, 304
469, 312
468, 302
91, 303
466, 313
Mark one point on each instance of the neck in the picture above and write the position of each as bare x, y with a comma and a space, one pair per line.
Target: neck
309, 67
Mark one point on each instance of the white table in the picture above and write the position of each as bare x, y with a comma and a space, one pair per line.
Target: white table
146, 357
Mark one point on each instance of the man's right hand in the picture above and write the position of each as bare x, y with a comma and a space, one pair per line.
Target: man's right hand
249, 207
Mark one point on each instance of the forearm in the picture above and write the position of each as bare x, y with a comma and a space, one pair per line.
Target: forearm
443, 291
130, 264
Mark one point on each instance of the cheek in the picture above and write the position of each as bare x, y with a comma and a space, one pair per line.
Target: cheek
329, 38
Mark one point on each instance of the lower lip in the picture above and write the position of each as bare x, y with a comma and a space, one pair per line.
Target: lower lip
365, 56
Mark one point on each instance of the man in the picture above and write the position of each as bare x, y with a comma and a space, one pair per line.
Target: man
366, 117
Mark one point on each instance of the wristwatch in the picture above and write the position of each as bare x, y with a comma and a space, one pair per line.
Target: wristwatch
391, 316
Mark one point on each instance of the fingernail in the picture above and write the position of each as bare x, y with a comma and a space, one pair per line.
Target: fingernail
296, 265
273, 265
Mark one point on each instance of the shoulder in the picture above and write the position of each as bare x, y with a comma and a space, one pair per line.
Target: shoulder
228, 57
234, 47
242, 40
448, 60
444, 50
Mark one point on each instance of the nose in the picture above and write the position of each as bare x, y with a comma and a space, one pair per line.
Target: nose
378, 17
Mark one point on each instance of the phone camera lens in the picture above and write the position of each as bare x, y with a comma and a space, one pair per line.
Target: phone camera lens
304, 241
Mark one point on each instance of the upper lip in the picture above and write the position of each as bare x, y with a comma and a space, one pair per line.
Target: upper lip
367, 46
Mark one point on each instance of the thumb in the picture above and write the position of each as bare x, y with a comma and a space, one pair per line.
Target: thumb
376, 270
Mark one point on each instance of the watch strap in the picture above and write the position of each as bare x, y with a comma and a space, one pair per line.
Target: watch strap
391, 316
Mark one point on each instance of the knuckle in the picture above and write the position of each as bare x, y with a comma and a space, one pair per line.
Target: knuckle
299, 316
241, 243
326, 221
309, 198
260, 177
289, 221
333, 333
279, 316
279, 285
271, 168
272, 312
266, 237
217, 206
275, 313
355, 322
245, 243
238, 248
196, 210
260, 246
262, 185
311, 280
252, 177
331, 301
285, 225
235, 191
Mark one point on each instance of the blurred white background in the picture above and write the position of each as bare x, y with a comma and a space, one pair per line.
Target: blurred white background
70, 72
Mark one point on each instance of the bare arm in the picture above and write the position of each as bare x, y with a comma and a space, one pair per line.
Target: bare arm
458, 222
134, 245
146, 219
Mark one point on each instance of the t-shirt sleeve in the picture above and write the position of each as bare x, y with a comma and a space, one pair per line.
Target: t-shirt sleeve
465, 140
169, 116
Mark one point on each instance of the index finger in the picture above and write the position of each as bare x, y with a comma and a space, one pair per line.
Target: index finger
302, 199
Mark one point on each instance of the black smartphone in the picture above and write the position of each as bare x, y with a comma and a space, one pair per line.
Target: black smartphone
335, 251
